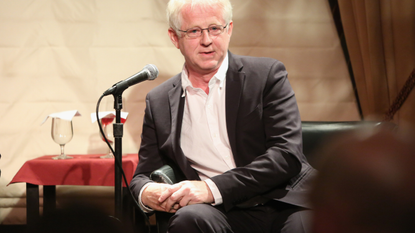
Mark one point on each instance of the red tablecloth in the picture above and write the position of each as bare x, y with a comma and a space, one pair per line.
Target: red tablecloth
81, 170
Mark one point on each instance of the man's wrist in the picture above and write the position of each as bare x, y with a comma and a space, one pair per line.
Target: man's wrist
217, 197
143, 207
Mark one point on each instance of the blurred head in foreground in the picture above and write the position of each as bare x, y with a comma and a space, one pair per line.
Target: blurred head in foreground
366, 183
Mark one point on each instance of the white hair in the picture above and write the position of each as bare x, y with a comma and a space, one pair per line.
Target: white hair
175, 7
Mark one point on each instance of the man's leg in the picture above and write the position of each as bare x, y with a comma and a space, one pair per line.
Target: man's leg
198, 218
207, 218
290, 218
271, 217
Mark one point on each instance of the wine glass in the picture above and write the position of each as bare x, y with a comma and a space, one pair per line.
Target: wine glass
62, 133
106, 123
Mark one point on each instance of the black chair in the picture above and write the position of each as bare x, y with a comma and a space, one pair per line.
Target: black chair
315, 134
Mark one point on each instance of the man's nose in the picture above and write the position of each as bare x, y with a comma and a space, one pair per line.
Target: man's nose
206, 39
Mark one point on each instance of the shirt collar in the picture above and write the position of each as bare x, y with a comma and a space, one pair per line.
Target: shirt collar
220, 75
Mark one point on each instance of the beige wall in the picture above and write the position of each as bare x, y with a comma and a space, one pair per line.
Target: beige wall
58, 55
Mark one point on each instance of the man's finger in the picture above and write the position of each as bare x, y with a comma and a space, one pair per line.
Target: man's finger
184, 201
168, 192
175, 207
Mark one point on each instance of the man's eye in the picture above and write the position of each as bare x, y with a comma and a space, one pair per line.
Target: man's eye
214, 28
193, 31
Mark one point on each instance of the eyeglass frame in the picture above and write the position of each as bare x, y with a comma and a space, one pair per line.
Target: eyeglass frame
202, 29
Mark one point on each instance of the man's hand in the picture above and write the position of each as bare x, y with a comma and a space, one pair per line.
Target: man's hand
151, 195
185, 193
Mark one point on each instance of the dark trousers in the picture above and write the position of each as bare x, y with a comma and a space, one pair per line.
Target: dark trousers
271, 217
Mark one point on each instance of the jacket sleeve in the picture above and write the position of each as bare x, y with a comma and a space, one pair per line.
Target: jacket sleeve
149, 158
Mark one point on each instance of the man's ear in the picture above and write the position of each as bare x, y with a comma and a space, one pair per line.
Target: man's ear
230, 28
174, 38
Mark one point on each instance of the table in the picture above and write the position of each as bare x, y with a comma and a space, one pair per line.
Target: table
81, 170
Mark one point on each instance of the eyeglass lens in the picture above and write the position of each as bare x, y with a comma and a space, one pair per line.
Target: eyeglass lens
213, 30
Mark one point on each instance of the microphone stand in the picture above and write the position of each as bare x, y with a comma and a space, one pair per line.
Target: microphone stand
118, 134
150, 72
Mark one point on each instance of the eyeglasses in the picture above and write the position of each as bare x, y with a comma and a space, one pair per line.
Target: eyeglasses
213, 30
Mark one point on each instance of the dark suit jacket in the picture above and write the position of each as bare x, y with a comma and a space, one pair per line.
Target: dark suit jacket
264, 130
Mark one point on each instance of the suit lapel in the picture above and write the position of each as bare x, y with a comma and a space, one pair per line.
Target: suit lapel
177, 102
174, 101
235, 78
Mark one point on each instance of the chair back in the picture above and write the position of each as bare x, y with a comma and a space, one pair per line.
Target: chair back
317, 133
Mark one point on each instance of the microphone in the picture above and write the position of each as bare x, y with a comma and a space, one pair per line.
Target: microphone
149, 72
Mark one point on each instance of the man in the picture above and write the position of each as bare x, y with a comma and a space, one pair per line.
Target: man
366, 183
231, 125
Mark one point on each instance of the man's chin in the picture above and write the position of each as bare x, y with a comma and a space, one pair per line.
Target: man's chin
209, 66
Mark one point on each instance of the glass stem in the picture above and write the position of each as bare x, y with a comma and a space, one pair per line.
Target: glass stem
62, 150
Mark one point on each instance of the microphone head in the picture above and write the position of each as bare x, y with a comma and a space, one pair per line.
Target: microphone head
153, 71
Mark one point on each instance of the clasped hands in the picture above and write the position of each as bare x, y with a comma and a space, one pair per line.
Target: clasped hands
170, 198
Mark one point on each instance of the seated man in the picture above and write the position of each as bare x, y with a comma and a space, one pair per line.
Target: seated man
231, 125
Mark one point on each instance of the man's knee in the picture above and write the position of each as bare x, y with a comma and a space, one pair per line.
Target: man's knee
198, 218
191, 213
298, 222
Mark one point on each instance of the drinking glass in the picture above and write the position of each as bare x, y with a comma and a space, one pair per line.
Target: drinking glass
62, 133
107, 127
